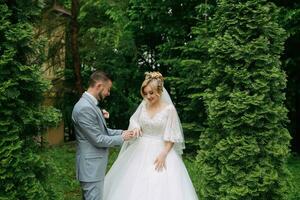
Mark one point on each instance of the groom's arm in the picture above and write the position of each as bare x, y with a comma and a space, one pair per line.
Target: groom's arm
113, 132
87, 122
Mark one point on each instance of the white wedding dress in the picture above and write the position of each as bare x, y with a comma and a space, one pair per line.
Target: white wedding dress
133, 175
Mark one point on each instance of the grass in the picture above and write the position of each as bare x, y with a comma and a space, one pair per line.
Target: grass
294, 167
63, 177
64, 181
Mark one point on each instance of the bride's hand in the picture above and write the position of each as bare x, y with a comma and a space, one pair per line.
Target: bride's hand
127, 135
160, 161
137, 132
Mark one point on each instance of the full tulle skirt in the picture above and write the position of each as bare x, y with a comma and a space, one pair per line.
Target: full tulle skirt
133, 175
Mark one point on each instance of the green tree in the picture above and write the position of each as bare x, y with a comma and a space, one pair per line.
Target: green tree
187, 76
245, 144
23, 172
106, 43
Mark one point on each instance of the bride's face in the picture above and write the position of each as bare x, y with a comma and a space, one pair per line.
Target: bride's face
151, 95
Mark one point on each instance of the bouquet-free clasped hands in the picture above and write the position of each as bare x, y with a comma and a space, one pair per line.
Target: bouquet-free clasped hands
129, 134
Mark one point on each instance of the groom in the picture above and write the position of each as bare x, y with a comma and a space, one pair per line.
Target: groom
94, 137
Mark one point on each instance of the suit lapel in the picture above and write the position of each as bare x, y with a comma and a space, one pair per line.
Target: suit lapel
97, 109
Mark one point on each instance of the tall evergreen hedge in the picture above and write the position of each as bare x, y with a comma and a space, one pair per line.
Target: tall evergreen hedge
23, 172
245, 144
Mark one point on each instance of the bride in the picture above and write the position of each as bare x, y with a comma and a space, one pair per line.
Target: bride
150, 167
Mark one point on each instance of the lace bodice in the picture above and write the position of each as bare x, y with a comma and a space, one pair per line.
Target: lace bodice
154, 126
162, 125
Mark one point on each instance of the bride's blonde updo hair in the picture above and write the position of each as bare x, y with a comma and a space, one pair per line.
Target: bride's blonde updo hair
155, 80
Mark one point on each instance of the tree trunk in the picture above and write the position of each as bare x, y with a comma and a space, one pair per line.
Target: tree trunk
74, 46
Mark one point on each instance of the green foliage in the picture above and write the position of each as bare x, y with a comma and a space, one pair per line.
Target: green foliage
245, 144
187, 75
107, 44
23, 173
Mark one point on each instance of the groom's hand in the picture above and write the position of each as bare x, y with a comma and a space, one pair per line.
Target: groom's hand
105, 114
127, 135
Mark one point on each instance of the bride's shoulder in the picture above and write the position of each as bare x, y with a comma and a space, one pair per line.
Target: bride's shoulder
144, 103
169, 107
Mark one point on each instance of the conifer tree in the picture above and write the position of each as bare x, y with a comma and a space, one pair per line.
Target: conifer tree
245, 144
23, 172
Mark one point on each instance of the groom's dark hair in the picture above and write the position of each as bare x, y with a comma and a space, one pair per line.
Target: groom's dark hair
99, 76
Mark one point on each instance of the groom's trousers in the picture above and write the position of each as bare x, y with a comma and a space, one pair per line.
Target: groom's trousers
92, 190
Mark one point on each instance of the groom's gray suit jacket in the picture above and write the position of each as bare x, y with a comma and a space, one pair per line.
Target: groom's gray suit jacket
93, 139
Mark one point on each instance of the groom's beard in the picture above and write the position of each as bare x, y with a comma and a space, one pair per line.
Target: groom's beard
101, 96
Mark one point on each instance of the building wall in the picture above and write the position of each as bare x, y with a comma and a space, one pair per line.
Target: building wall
52, 69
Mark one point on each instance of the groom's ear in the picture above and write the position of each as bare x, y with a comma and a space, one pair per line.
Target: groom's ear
98, 84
